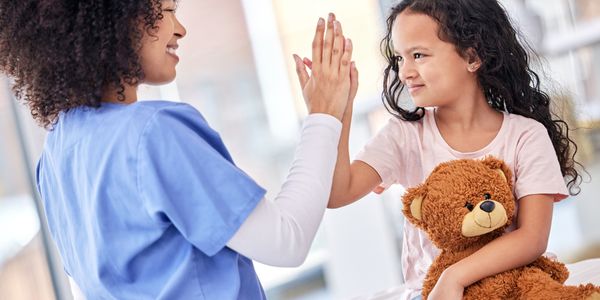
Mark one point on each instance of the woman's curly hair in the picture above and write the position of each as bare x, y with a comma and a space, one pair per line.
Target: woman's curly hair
508, 82
62, 54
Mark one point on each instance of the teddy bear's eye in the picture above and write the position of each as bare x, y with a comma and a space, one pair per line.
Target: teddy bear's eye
469, 206
487, 196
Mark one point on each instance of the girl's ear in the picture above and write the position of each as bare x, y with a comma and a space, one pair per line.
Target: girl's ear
413, 202
473, 60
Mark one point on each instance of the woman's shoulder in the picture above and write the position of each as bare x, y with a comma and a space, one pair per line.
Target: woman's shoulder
152, 108
144, 114
119, 121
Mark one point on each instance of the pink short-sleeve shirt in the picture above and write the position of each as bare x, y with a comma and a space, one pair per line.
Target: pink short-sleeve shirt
406, 152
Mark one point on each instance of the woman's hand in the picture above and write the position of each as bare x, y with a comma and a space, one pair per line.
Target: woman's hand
333, 81
447, 288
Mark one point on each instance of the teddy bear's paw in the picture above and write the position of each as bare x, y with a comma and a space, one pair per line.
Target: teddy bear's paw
594, 296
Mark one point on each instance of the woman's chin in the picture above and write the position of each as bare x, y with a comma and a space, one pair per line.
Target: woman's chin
160, 80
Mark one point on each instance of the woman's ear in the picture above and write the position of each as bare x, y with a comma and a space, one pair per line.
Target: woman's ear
473, 60
413, 203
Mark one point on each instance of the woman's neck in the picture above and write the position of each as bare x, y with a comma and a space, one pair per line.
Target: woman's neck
112, 94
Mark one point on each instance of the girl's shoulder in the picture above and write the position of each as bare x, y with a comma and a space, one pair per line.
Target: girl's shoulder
400, 124
522, 124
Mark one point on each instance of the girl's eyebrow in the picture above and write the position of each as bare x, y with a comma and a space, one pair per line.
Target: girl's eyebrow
411, 49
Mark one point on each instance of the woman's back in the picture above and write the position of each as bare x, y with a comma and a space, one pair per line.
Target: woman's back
108, 163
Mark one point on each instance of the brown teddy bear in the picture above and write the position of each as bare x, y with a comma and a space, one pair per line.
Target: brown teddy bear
463, 205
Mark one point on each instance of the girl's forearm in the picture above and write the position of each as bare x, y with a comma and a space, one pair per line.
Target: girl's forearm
342, 174
512, 250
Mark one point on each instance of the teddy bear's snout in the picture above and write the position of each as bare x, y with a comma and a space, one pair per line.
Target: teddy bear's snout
486, 216
487, 206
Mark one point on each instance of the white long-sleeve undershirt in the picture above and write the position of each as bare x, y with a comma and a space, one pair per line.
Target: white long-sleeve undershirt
279, 232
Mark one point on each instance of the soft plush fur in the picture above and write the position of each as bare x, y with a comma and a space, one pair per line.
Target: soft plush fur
465, 204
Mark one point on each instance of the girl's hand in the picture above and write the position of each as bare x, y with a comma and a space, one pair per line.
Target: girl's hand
447, 288
329, 86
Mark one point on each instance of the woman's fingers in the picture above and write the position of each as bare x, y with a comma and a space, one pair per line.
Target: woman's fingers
338, 47
328, 42
301, 71
317, 45
326, 88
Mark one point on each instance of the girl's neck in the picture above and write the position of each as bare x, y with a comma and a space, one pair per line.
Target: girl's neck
468, 113
111, 94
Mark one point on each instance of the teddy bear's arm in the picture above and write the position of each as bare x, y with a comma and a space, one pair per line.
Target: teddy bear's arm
557, 270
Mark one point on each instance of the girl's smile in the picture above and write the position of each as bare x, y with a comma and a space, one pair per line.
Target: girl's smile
414, 88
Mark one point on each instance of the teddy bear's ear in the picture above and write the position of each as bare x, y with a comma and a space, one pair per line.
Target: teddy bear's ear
499, 166
413, 201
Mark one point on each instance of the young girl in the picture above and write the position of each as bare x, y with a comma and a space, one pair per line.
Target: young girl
142, 198
475, 95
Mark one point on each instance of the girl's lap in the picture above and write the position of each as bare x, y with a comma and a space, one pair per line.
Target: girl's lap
582, 272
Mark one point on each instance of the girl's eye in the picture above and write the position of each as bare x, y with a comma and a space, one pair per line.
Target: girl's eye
169, 10
418, 55
398, 58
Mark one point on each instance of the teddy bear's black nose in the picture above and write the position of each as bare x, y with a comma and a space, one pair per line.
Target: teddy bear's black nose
487, 206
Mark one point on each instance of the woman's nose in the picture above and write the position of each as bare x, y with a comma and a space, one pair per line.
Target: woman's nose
180, 30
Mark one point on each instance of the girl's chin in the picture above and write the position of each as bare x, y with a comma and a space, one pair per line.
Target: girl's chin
423, 102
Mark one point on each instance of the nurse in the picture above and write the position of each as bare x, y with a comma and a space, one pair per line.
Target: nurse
143, 199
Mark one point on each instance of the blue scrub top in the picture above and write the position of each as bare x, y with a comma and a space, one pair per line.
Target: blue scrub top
141, 200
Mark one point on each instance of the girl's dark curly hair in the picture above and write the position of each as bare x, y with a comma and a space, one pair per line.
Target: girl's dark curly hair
508, 82
62, 54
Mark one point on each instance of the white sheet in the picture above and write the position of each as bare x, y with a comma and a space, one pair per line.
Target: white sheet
586, 271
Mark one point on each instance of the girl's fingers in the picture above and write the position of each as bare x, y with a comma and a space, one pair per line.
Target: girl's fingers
328, 42
378, 190
353, 80
346, 59
317, 45
307, 62
301, 71
338, 46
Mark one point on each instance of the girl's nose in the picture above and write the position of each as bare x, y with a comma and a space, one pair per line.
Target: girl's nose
406, 71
